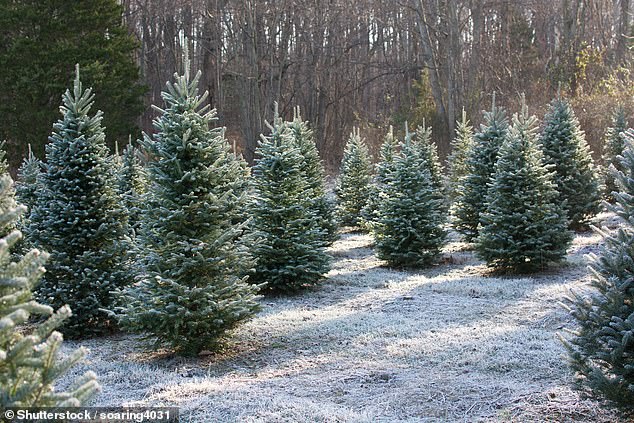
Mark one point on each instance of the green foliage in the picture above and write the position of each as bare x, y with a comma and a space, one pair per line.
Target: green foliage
314, 172
612, 149
482, 156
49, 36
601, 351
28, 182
353, 184
78, 218
564, 147
290, 249
461, 145
524, 226
192, 286
411, 213
30, 359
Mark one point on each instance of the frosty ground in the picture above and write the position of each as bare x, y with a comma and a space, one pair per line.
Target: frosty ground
449, 343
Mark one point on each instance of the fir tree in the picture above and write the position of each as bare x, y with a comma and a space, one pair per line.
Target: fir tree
461, 145
353, 184
28, 182
422, 137
290, 249
601, 351
612, 149
524, 226
314, 173
192, 288
30, 360
78, 218
409, 229
564, 146
482, 157
383, 169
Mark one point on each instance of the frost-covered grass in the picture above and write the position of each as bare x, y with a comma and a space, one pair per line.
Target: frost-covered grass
450, 343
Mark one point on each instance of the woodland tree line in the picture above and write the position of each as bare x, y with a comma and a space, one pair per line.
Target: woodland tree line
371, 62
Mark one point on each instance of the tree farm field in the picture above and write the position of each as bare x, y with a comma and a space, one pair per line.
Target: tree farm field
371, 344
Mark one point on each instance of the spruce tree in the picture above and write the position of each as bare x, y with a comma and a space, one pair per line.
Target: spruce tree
290, 249
564, 146
612, 149
353, 185
314, 173
132, 184
429, 153
482, 157
383, 169
461, 145
411, 214
601, 350
192, 287
524, 226
30, 359
28, 182
78, 218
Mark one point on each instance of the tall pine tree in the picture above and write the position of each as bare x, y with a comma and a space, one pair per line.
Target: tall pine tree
601, 350
411, 213
461, 145
524, 226
470, 202
564, 146
314, 173
353, 184
290, 248
30, 359
612, 150
192, 286
78, 218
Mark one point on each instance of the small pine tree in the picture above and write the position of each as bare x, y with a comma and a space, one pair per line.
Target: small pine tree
429, 153
353, 184
612, 149
409, 229
601, 351
524, 227
78, 218
27, 186
132, 184
290, 249
461, 145
564, 146
383, 170
192, 286
482, 157
314, 173
30, 359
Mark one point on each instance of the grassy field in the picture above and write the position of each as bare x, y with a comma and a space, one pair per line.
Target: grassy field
449, 343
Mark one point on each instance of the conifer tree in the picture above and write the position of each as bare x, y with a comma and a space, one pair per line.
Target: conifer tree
601, 350
30, 359
524, 226
27, 184
132, 184
383, 169
353, 184
429, 153
78, 218
290, 249
461, 145
409, 228
564, 146
192, 286
612, 149
314, 173
482, 156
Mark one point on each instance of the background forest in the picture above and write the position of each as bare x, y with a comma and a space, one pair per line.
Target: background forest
365, 64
